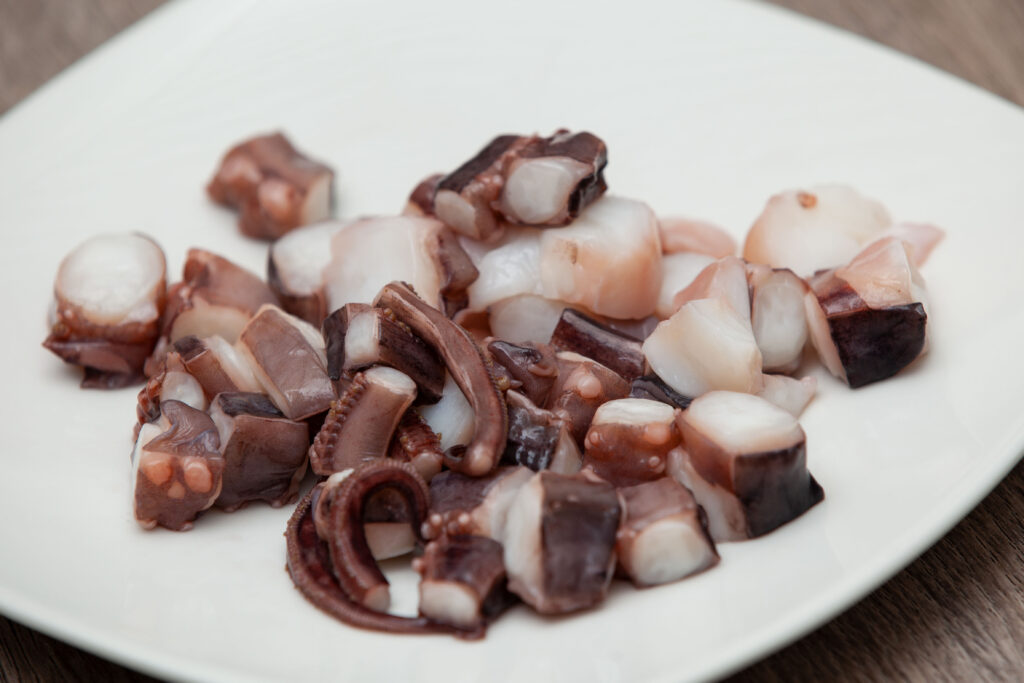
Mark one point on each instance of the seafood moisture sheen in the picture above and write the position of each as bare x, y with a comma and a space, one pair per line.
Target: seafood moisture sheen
531, 386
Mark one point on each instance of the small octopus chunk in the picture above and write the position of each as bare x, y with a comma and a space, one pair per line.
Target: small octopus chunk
678, 271
538, 438
745, 461
559, 542
629, 440
274, 186
216, 365
110, 292
580, 387
177, 467
686, 235
460, 504
588, 337
777, 316
663, 535
295, 269
525, 318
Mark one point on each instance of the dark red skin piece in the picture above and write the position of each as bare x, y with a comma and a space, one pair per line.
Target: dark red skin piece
108, 364
533, 434
653, 388
586, 336
458, 271
457, 180
533, 367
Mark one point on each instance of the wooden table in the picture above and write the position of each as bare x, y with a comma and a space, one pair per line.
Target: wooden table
957, 613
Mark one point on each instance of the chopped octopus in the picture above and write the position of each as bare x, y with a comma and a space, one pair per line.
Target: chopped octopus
295, 269
629, 441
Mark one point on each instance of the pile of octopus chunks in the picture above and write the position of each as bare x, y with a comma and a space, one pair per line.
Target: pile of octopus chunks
532, 386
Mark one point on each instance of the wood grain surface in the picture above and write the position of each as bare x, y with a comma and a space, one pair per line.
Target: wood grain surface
956, 613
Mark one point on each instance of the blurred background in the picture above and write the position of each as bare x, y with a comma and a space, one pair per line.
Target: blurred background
957, 613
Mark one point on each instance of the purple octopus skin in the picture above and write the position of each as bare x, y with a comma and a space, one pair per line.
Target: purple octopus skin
287, 356
469, 369
872, 343
559, 542
358, 336
663, 534
463, 582
581, 386
652, 387
421, 199
174, 383
216, 365
311, 569
586, 336
532, 367
274, 186
460, 504
109, 327
629, 441
550, 180
751, 476
455, 268
264, 452
538, 438
177, 467
360, 425
416, 443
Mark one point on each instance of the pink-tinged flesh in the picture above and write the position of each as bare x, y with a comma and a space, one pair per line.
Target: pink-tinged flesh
789, 393
509, 267
777, 316
112, 280
808, 230
705, 345
525, 318
725, 278
821, 336
884, 275
920, 239
680, 235
451, 418
372, 252
389, 539
678, 271
612, 242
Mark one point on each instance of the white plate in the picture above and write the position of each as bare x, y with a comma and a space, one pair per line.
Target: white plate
707, 109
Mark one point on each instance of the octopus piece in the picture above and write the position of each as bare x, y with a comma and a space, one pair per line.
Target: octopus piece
264, 452
550, 180
463, 582
745, 461
525, 318
653, 388
777, 316
452, 418
287, 356
340, 576
867, 320
295, 269
789, 393
559, 542
538, 438
678, 271
509, 267
274, 187
110, 292
420, 251
705, 345
460, 504
361, 423
177, 467
725, 278
580, 387
663, 535
416, 443
387, 523
807, 230
214, 298
464, 199
920, 239
629, 440
586, 336
467, 366
174, 383
687, 235
216, 365
614, 241
358, 336
421, 199
532, 367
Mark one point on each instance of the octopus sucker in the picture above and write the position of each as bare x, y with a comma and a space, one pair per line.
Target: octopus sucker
468, 368
581, 386
745, 461
538, 438
264, 452
559, 542
110, 293
274, 187
579, 333
629, 440
663, 534
361, 423
295, 269
460, 504
177, 468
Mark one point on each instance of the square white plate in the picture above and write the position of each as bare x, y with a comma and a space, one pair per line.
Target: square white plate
707, 109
